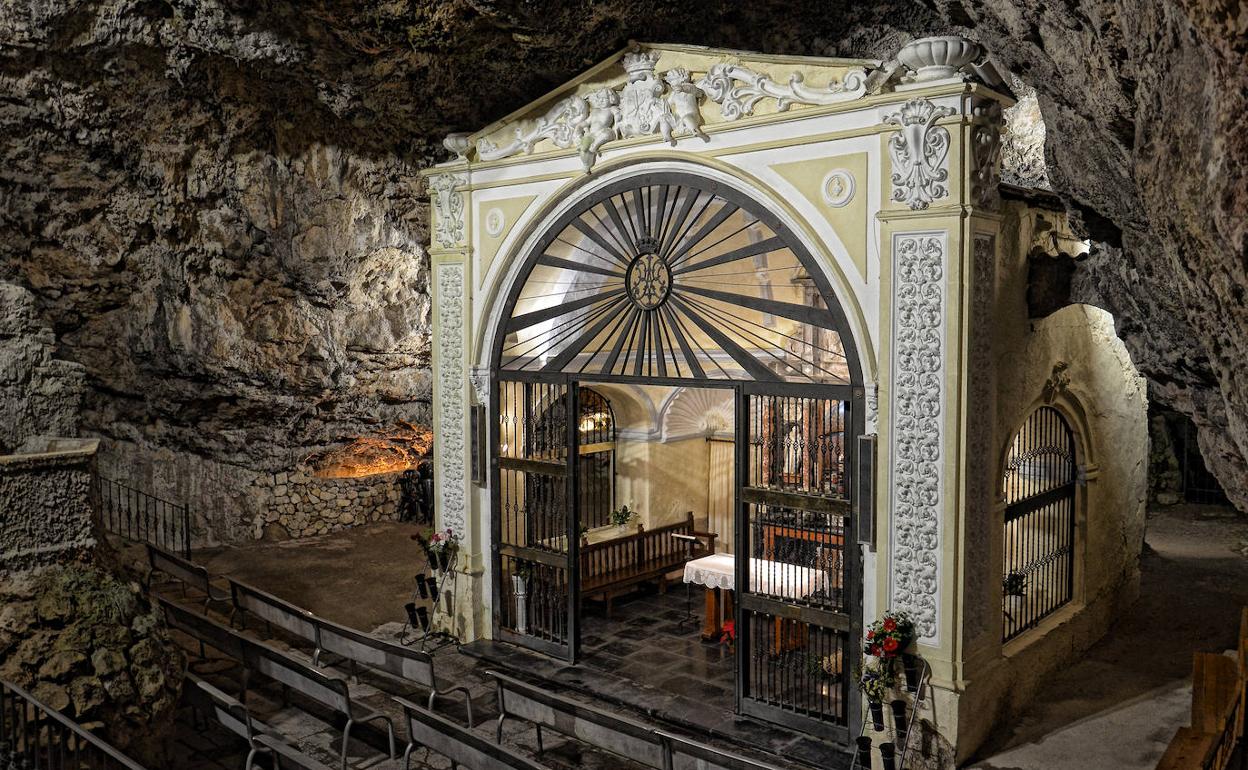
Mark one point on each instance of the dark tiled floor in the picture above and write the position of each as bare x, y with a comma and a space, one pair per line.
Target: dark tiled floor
646, 641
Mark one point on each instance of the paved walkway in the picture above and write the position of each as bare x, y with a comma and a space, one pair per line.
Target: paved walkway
1118, 707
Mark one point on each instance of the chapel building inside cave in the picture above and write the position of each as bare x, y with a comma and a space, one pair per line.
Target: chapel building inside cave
758, 429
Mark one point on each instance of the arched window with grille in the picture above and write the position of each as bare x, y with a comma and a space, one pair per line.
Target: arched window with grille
1039, 523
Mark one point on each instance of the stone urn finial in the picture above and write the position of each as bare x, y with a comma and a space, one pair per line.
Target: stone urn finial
935, 58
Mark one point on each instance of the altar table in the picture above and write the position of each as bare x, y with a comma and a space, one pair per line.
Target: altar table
718, 573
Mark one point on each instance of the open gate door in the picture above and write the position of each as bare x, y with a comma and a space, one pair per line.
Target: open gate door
798, 591
535, 539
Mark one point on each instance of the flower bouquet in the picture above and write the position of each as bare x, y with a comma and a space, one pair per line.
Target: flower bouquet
889, 636
439, 547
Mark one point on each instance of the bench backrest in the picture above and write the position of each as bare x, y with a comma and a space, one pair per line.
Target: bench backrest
268, 607
376, 653
208, 699
581, 721
684, 754
175, 566
205, 629
646, 548
299, 677
461, 746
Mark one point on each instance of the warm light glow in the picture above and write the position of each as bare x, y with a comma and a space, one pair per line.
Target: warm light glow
400, 449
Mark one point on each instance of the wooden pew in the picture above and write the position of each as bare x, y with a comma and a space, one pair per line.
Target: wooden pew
462, 747
616, 566
585, 723
395, 659
233, 716
258, 657
354, 646
685, 754
186, 572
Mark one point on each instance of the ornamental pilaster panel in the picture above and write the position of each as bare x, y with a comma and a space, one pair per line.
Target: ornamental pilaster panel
917, 439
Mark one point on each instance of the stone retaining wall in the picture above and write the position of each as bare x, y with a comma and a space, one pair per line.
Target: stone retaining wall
47, 503
298, 504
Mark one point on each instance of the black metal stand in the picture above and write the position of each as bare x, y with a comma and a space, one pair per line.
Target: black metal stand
691, 543
898, 735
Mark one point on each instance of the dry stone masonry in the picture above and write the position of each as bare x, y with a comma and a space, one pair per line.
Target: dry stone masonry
297, 504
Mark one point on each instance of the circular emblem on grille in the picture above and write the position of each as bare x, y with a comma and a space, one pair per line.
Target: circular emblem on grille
649, 279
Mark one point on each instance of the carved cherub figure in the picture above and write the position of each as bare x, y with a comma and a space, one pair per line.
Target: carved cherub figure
684, 99
604, 112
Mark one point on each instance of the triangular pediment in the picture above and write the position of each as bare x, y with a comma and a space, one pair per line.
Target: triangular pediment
665, 92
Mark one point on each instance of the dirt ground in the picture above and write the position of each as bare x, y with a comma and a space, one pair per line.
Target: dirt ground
360, 577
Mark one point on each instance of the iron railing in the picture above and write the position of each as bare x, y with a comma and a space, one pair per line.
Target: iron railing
33, 735
1039, 522
138, 515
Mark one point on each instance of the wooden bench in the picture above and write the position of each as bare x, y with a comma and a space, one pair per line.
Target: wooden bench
233, 716
463, 748
186, 572
599, 728
395, 659
685, 754
354, 646
1219, 712
274, 612
257, 657
613, 567
326, 690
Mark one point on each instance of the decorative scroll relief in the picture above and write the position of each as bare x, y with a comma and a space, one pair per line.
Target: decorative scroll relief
917, 425
449, 225
451, 473
669, 105
737, 90
986, 151
919, 151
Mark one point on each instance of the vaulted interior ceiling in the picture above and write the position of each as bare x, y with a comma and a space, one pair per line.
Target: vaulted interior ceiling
210, 207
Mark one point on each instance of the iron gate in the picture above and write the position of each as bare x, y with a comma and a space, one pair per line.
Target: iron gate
535, 543
798, 597
1039, 525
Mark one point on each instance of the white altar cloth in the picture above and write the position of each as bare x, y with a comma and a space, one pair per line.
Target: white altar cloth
773, 578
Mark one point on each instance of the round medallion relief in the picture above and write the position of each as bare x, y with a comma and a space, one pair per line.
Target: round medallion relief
838, 188
494, 222
649, 280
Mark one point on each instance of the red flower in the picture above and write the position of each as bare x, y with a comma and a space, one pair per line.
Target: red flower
890, 624
875, 650
870, 634
890, 644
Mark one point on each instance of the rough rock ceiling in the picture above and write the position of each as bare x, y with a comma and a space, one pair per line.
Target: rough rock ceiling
211, 202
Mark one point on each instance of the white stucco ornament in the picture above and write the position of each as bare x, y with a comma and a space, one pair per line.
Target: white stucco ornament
737, 89
449, 223
451, 379
918, 152
936, 58
667, 105
917, 424
495, 221
986, 150
837, 188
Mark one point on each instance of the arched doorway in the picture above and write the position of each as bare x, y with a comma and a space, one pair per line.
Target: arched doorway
1038, 545
672, 279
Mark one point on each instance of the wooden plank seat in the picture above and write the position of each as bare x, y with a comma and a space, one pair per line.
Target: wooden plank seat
395, 659
352, 645
257, 657
233, 716
684, 754
588, 724
617, 566
462, 747
188, 573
